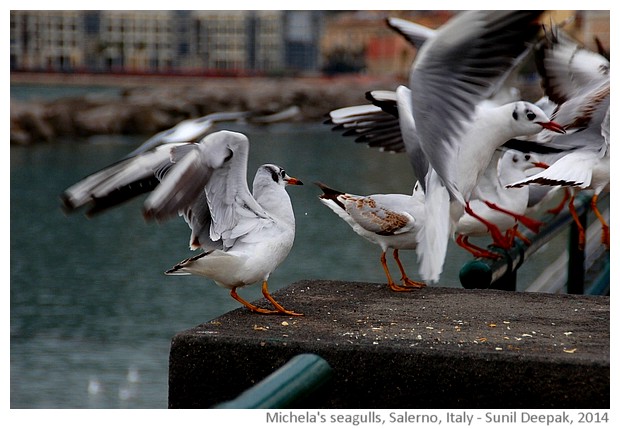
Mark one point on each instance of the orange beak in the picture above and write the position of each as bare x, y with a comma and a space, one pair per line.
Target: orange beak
293, 181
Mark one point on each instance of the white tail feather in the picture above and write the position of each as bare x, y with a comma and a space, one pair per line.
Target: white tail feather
434, 235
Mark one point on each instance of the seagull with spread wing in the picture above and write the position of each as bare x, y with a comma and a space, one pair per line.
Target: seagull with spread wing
244, 236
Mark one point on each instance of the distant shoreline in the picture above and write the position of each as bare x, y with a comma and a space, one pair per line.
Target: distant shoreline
148, 104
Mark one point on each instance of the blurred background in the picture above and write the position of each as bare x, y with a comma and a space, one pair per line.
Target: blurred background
91, 312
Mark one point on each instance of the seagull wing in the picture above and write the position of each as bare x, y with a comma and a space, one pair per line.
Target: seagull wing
415, 34
466, 62
119, 182
215, 172
370, 125
189, 130
410, 135
380, 214
573, 169
567, 68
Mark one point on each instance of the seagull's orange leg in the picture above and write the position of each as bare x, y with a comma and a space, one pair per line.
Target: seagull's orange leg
279, 308
604, 226
523, 238
477, 252
573, 212
557, 209
529, 223
407, 282
251, 307
510, 235
391, 283
498, 238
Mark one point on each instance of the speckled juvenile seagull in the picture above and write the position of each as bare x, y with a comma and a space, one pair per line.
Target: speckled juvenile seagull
391, 221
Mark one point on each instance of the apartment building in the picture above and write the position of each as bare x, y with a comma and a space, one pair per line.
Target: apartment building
47, 40
266, 42
227, 42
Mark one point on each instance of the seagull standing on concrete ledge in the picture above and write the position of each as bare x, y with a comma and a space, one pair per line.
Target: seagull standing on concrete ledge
245, 236
391, 221
250, 235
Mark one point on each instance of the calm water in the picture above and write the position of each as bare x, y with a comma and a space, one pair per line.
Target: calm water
41, 92
92, 314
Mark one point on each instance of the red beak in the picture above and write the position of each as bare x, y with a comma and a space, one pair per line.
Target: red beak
553, 126
293, 181
541, 164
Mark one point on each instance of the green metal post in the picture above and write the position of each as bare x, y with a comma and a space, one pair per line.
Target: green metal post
600, 285
290, 385
502, 274
576, 258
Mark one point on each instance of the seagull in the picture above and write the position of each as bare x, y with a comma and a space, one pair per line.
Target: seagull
110, 186
388, 122
468, 59
507, 206
392, 221
244, 236
579, 170
189, 130
194, 129
577, 81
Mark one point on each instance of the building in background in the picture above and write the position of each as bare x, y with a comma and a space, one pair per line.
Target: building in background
47, 40
361, 41
235, 43
218, 42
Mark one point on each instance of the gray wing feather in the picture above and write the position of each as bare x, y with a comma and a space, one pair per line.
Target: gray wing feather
208, 187
189, 130
415, 34
118, 182
458, 68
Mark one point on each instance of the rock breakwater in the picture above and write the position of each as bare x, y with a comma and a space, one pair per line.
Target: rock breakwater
146, 106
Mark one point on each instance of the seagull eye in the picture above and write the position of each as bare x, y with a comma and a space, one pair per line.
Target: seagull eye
283, 174
530, 115
527, 157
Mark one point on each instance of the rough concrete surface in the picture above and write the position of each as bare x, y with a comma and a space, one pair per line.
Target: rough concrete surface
431, 348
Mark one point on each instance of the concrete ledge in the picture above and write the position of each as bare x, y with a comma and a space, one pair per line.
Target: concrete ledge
431, 348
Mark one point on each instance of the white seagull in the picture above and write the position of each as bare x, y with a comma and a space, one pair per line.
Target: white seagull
194, 129
245, 236
507, 206
189, 130
577, 80
392, 221
455, 71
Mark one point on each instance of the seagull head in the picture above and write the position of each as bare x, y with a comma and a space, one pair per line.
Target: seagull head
274, 174
531, 119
